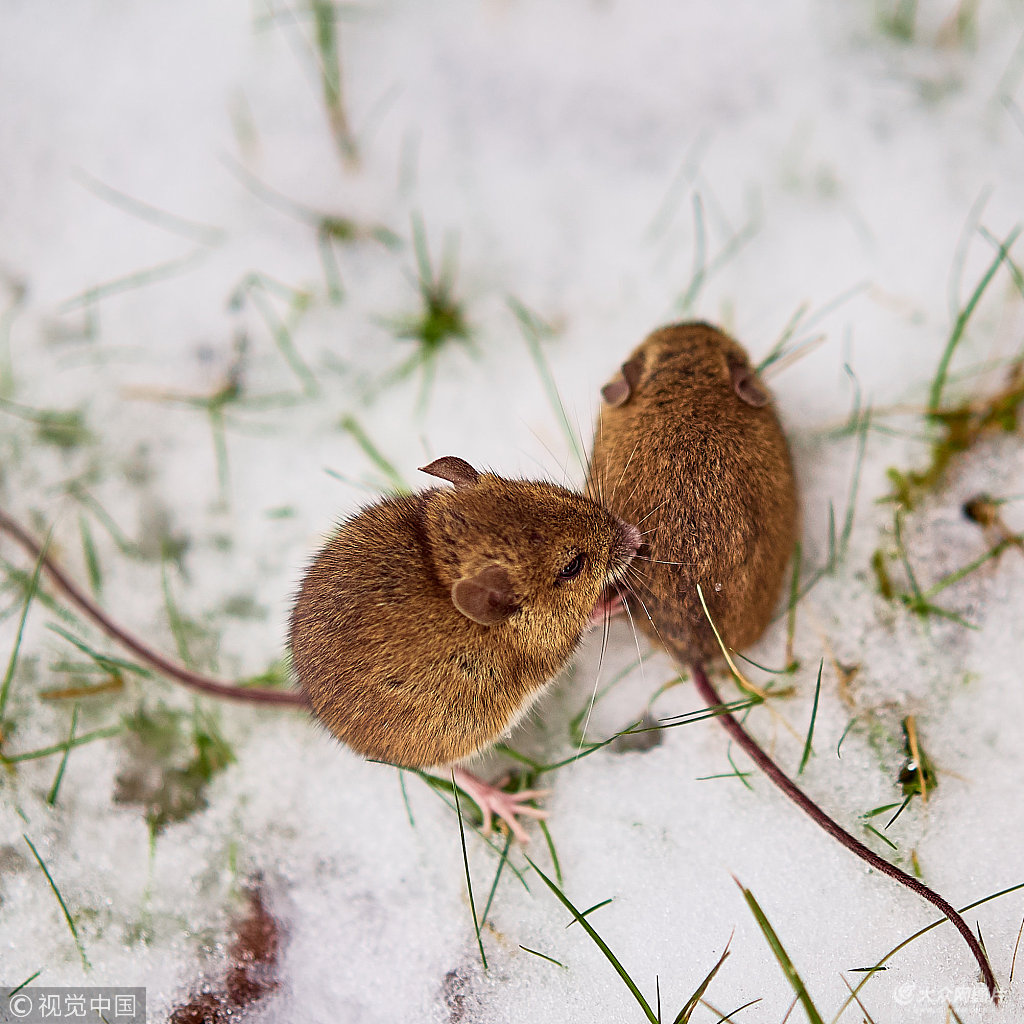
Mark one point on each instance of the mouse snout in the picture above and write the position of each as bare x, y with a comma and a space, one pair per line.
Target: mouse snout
627, 541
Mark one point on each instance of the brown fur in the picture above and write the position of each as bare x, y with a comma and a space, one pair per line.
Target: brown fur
389, 663
690, 449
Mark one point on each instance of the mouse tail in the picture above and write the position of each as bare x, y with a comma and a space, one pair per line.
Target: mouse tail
710, 697
148, 655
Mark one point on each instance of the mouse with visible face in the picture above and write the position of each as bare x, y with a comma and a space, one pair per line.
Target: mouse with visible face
429, 623
689, 447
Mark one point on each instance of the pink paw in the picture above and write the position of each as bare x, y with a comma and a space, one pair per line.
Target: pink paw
495, 802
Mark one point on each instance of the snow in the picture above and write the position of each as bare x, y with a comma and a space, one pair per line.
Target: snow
568, 154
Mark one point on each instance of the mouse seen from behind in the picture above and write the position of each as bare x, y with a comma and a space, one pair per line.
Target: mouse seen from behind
429, 623
690, 448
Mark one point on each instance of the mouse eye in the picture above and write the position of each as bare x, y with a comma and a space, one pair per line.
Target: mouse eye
574, 568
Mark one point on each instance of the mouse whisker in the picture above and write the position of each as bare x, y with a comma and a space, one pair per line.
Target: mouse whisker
597, 682
629, 497
649, 619
641, 580
647, 613
636, 637
649, 514
598, 478
611, 497
555, 458
661, 561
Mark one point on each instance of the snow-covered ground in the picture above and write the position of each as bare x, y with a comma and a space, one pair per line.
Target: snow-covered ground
167, 174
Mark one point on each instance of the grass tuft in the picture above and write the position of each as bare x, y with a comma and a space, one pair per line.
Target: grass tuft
60, 428
168, 766
440, 320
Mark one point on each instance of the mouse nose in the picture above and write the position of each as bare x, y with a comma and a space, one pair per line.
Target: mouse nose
629, 539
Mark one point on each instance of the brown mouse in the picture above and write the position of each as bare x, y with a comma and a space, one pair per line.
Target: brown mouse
429, 623
689, 447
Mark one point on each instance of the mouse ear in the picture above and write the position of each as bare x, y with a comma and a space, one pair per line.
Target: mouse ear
746, 384
454, 470
619, 390
487, 597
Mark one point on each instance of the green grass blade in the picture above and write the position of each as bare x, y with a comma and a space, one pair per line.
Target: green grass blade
497, 877
177, 623
138, 279
26, 982
30, 593
590, 910
533, 329
692, 1003
551, 849
550, 959
105, 661
939, 381
956, 577
469, 880
405, 797
794, 598
885, 839
905, 558
57, 748
813, 1016
441, 787
814, 714
60, 900
880, 966
598, 941
92, 562
51, 797
329, 61
699, 270
352, 427
851, 501
256, 290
